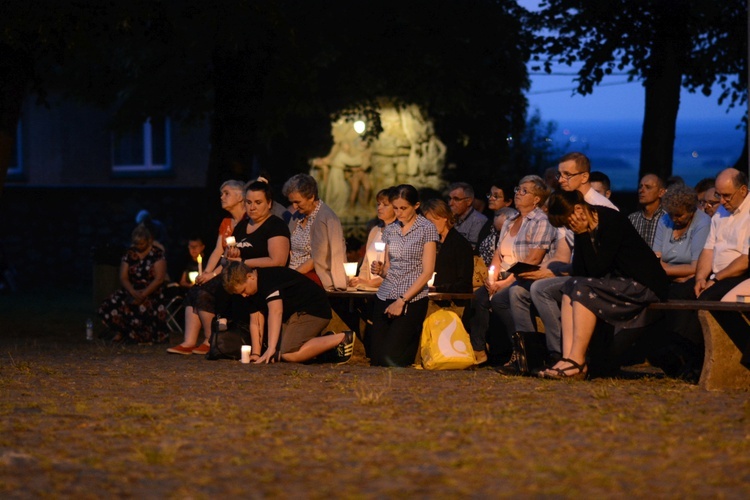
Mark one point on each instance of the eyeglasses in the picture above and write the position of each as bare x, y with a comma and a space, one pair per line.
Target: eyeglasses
491, 196
725, 197
455, 199
521, 191
566, 175
708, 203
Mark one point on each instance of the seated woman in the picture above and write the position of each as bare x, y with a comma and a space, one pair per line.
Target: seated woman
386, 216
137, 311
200, 302
317, 242
454, 265
401, 301
295, 309
527, 238
616, 276
195, 249
680, 233
499, 200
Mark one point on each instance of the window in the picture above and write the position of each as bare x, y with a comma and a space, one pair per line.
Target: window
145, 150
15, 167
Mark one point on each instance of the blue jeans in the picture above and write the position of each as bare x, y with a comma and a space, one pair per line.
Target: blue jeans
546, 294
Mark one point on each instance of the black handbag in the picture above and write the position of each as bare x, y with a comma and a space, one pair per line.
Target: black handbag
227, 344
530, 349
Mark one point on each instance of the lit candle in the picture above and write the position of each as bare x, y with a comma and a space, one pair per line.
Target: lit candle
200, 264
432, 280
491, 274
247, 350
231, 241
380, 248
350, 268
192, 275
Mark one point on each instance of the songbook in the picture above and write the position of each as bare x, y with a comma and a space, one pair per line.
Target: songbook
522, 267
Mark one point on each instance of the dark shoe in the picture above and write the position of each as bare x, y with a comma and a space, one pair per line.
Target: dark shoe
511, 367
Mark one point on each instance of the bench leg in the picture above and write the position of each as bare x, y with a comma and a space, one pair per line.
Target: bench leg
721, 366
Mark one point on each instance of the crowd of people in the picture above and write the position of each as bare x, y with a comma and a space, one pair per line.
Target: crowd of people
557, 254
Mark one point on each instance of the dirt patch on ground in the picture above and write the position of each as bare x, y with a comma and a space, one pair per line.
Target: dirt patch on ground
91, 419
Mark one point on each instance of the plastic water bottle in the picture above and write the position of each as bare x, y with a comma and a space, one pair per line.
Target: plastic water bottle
89, 329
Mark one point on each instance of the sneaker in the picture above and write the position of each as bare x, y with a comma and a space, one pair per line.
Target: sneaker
201, 349
179, 349
345, 349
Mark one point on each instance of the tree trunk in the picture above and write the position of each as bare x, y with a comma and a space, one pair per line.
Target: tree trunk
663, 82
660, 121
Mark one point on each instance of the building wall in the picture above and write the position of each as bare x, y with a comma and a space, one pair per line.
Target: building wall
66, 144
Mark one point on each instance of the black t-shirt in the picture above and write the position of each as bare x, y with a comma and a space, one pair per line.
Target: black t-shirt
255, 244
298, 293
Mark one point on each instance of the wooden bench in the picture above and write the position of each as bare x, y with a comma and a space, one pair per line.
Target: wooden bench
721, 364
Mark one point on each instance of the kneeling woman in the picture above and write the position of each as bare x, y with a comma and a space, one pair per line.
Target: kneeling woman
616, 276
401, 305
295, 308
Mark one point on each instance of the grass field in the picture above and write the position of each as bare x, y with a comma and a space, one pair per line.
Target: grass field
90, 419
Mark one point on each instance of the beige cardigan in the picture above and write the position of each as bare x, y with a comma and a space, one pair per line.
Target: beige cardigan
328, 248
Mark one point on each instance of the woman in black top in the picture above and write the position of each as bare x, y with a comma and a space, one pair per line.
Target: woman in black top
454, 264
295, 308
616, 276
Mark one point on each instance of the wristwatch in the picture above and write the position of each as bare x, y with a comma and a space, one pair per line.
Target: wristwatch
713, 278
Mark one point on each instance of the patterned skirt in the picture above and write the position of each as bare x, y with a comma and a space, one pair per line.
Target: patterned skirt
618, 301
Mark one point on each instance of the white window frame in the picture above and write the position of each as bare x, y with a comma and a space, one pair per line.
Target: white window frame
148, 164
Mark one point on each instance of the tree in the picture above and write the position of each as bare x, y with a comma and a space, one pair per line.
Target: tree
668, 44
269, 73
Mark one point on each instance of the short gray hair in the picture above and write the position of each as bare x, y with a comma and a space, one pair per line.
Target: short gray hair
540, 187
233, 184
303, 184
468, 190
679, 197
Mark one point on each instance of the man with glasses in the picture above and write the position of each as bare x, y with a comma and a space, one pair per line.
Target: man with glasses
706, 192
469, 222
645, 220
573, 173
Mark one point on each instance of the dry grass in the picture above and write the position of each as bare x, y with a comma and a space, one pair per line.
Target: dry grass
91, 420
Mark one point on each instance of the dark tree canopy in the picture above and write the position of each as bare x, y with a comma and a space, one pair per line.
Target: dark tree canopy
269, 74
667, 44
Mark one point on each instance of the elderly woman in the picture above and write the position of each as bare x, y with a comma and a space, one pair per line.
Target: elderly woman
200, 302
137, 312
616, 276
318, 249
386, 216
454, 265
401, 303
680, 233
527, 237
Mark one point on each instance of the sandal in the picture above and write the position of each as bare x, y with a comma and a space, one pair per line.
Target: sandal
563, 373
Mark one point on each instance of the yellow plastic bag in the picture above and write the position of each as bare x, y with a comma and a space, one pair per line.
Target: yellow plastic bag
445, 344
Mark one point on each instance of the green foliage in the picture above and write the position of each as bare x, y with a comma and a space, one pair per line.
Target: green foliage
624, 36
